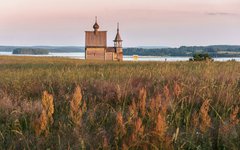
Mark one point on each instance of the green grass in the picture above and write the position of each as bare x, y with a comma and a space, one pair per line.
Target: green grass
109, 88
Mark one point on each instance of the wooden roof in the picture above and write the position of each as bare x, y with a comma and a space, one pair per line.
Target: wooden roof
96, 39
111, 49
118, 37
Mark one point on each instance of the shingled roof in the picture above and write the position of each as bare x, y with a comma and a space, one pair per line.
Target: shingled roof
111, 49
118, 37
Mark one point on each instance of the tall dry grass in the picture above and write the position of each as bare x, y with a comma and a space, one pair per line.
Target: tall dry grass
118, 105
42, 123
77, 107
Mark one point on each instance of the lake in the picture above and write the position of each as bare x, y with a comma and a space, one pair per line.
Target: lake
81, 55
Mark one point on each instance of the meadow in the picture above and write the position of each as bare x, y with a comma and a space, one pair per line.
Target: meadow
61, 103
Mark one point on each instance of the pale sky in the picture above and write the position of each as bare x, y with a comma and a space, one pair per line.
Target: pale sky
142, 22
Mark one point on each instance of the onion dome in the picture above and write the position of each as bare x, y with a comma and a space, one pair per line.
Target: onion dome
96, 26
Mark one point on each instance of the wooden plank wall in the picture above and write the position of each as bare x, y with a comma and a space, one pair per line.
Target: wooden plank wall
109, 56
95, 53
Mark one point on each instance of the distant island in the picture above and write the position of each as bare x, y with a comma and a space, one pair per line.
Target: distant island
30, 51
51, 49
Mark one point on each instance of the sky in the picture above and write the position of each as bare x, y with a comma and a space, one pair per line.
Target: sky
170, 23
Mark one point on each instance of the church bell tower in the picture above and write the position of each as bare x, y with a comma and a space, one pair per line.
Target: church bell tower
118, 44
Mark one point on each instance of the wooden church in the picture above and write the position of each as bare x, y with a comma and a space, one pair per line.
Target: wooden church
96, 45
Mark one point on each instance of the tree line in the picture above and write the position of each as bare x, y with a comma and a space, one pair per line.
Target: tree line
213, 51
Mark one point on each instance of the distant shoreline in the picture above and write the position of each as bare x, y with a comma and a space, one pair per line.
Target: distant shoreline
81, 55
214, 51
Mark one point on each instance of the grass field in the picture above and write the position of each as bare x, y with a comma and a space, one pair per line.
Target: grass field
60, 103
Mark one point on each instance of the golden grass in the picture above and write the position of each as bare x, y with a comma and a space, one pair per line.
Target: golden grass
46, 118
76, 110
205, 118
118, 105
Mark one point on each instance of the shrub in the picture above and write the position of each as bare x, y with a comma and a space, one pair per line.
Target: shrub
201, 57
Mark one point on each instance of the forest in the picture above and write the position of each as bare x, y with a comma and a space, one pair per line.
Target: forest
213, 51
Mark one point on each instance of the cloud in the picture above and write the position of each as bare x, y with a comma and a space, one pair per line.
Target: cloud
221, 14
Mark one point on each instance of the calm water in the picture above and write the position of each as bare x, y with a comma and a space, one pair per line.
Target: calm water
126, 58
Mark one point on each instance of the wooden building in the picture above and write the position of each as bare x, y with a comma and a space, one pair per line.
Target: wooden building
96, 45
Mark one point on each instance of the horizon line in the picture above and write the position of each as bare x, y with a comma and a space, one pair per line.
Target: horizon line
124, 46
